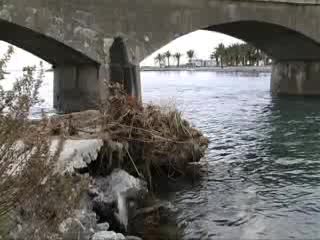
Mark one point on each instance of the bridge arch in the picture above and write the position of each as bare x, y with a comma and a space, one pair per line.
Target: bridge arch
72, 69
296, 56
279, 42
145, 26
44, 47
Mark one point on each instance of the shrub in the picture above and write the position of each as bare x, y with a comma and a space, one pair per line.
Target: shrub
23, 149
32, 194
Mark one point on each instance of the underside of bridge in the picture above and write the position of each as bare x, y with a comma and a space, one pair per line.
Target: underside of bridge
75, 75
278, 42
76, 81
296, 68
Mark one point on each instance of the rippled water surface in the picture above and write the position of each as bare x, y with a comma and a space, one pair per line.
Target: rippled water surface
266, 151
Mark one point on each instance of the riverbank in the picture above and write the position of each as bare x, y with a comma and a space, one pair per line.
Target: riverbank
109, 161
247, 69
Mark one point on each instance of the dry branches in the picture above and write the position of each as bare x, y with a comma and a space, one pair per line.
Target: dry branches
23, 151
142, 139
29, 188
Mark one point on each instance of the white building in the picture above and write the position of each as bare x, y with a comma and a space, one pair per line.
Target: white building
202, 63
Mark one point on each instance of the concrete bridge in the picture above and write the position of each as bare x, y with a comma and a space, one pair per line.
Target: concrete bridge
97, 41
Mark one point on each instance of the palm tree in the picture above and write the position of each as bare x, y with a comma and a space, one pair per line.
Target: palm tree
190, 55
177, 56
242, 54
168, 56
159, 59
213, 56
264, 58
220, 51
237, 54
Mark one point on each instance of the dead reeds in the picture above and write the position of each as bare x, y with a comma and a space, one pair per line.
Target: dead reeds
146, 140
32, 196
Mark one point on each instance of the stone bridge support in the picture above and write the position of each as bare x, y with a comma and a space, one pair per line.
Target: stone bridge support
296, 78
79, 87
76, 87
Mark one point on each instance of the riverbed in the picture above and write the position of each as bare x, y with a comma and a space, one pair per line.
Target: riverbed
263, 162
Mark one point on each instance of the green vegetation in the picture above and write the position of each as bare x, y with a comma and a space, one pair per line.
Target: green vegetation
168, 56
159, 59
190, 55
219, 54
239, 55
177, 56
234, 55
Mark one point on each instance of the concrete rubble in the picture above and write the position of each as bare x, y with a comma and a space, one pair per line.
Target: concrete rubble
76, 154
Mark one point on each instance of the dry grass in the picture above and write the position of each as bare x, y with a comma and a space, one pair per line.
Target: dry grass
165, 136
145, 140
29, 188
23, 151
153, 140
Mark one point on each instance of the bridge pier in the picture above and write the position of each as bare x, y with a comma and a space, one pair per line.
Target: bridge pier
123, 70
295, 78
82, 87
77, 87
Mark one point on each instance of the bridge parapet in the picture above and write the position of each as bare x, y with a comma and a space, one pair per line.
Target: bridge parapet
77, 35
295, 2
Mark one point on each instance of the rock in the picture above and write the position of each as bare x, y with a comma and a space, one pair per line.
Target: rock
120, 236
133, 238
119, 182
70, 228
87, 218
159, 214
113, 195
108, 235
80, 227
102, 227
76, 154
16, 233
164, 209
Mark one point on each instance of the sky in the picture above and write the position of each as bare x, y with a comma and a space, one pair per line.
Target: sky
202, 42
20, 58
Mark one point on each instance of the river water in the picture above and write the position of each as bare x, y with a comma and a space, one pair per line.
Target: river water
263, 161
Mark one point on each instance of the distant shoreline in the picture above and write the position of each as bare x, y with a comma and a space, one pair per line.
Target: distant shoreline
251, 69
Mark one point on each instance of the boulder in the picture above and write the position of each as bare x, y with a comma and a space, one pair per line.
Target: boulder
76, 154
133, 238
102, 227
108, 235
80, 227
113, 196
146, 220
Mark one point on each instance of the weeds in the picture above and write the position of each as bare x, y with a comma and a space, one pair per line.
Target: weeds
23, 151
29, 188
146, 140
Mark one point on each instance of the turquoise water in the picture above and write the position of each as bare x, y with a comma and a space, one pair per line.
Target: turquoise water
266, 150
